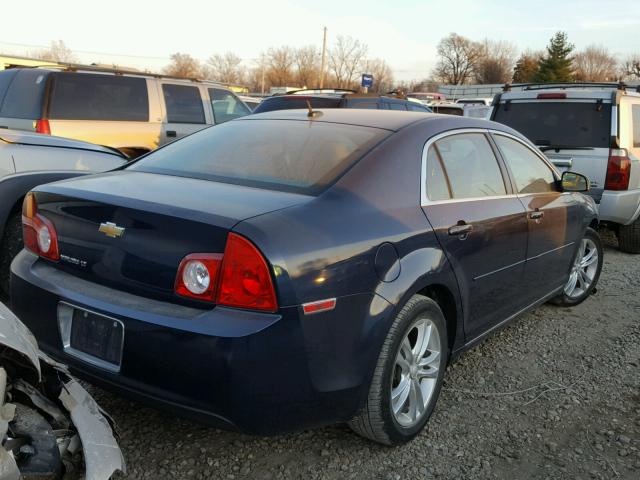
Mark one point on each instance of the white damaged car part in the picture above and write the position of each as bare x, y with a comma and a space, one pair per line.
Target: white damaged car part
50, 427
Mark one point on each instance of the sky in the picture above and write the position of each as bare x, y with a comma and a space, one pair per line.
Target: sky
405, 33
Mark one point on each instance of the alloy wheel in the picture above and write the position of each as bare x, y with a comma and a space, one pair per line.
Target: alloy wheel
415, 372
584, 269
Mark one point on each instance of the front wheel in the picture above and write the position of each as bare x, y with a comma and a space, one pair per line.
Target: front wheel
585, 271
408, 376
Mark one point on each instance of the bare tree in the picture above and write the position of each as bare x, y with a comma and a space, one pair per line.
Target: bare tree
382, 75
279, 66
347, 60
496, 62
457, 59
631, 67
595, 64
183, 65
57, 52
226, 68
307, 65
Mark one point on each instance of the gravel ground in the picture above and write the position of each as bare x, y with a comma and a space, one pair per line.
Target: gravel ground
554, 395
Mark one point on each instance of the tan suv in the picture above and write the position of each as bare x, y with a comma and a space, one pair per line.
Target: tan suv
131, 111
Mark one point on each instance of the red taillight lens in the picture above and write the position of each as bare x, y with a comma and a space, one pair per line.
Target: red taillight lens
552, 96
245, 279
42, 126
618, 170
38, 232
198, 276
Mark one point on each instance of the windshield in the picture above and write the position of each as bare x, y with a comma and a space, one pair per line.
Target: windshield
296, 156
566, 124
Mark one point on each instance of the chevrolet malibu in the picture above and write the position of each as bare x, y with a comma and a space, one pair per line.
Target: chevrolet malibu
298, 268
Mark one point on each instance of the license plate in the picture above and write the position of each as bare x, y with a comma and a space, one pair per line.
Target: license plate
91, 337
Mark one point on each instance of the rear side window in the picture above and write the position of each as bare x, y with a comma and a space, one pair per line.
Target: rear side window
363, 104
293, 102
396, 106
438, 186
635, 114
226, 105
24, 97
531, 174
184, 104
6, 76
470, 166
88, 96
563, 124
295, 156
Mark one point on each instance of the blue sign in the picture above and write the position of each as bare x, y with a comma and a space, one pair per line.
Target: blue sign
367, 80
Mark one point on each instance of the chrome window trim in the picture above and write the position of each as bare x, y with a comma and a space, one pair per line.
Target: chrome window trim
424, 199
534, 150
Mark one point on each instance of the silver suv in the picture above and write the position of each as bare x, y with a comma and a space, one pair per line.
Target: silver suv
593, 129
131, 111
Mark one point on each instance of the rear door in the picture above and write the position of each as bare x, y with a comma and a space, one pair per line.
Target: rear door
575, 134
184, 111
554, 218
480, 223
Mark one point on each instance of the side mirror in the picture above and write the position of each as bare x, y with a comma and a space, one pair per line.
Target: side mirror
574, 182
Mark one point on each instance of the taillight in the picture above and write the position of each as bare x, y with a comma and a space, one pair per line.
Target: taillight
618, 170
42, 126
551, 96
38, 232
240, 278
245, 280
198, 276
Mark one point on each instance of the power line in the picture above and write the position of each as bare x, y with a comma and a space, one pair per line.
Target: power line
86, 51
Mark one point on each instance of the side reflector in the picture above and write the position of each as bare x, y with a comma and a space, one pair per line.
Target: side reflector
319, 306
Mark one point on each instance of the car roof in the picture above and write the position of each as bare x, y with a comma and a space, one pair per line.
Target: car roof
392, 120
28, 138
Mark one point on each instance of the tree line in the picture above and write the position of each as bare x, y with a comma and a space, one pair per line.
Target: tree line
463, 61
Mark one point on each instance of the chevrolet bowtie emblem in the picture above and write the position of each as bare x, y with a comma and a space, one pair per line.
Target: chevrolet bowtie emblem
111, 230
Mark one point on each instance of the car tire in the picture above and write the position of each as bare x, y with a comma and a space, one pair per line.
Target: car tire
629, 237
394, 422
11, 246
585, 271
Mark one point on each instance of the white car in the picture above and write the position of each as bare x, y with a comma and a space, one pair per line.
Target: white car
592, 129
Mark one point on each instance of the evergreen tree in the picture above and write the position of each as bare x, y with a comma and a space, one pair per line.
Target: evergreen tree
556, 65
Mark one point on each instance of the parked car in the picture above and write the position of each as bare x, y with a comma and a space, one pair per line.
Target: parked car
338, 99
593, 129
283, 271
131, 111
475, 101
428, 97
447, 108
50, 426
30, 159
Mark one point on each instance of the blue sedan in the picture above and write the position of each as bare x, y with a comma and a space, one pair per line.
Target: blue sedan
300, 268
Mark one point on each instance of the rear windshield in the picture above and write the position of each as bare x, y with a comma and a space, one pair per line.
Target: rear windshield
24, 96
296, 156
291, 102
84, 96
566, 124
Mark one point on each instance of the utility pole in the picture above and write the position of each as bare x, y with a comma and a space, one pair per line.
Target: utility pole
323, 63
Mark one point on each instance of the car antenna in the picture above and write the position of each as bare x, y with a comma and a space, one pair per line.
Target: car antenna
311, 113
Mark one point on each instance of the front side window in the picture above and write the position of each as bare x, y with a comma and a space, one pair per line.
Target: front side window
88, 96
531, 174
226, 106
470, 166
184, 104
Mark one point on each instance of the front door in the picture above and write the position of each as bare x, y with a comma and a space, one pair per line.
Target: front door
554, 218
184, 111
481, 225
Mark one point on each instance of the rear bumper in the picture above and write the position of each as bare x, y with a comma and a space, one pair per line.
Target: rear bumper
258, 373
619, 207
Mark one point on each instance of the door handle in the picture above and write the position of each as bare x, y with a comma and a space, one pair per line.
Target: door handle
461, 230
171, 133
537, 215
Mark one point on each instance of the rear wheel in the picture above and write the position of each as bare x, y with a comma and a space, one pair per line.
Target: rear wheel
629, 237
11, 246
585, 271
408, 376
